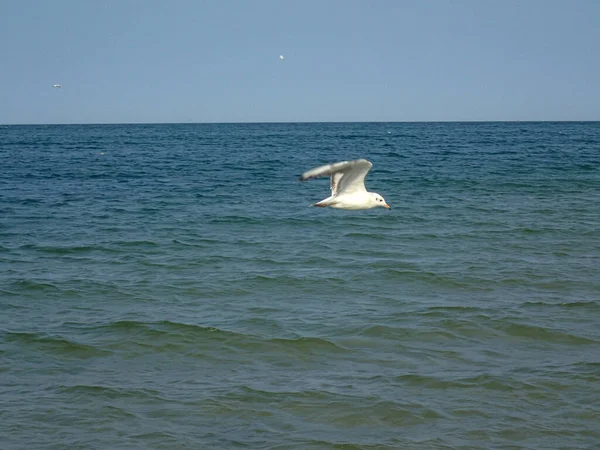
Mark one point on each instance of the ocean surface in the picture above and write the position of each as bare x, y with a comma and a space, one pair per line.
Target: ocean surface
170, 287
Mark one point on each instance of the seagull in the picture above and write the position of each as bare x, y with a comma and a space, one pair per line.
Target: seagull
56, 86
281, 57
347, 185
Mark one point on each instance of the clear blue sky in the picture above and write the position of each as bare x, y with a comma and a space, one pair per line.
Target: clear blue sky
345, 60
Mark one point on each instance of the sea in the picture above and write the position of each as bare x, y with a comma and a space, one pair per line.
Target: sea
169, 286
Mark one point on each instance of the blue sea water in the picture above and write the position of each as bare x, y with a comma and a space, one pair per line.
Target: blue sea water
170, 287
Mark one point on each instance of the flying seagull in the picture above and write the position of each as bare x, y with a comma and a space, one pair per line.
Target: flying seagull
281, 57
347, 185
56, 85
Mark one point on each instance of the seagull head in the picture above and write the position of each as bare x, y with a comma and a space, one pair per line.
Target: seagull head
379, 200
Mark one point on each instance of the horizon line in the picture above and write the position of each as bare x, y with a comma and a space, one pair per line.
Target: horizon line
300, 122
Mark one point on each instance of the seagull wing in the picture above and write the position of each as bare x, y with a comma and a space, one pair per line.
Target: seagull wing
346, 176
335, 179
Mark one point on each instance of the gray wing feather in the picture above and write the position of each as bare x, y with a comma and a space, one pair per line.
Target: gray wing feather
346, 176
336, 177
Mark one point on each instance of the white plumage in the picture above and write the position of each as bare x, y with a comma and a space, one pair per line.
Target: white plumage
347, 179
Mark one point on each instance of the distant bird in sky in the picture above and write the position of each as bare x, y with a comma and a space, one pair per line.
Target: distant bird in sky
281, 57
56, 86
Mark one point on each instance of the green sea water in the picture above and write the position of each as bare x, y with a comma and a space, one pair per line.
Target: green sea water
170, 287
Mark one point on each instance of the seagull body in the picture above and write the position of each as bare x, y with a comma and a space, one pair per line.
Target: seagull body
347, 185
57, 86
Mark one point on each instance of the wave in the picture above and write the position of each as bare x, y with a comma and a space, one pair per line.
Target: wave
591, 304
352, 137
56, 345
59, 250
160, 328
370, 236
476, 325
485, 381
334, 408
197, 242
238, 219
116, 246
302, 280
309, 345
541, 333
406, 337
454, 280
174, 334
12, 294
33, 286
171, 336
85, 390
444, 310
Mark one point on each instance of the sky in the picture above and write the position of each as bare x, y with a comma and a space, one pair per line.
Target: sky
148, 61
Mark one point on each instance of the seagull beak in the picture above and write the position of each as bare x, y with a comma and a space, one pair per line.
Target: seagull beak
385, 205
